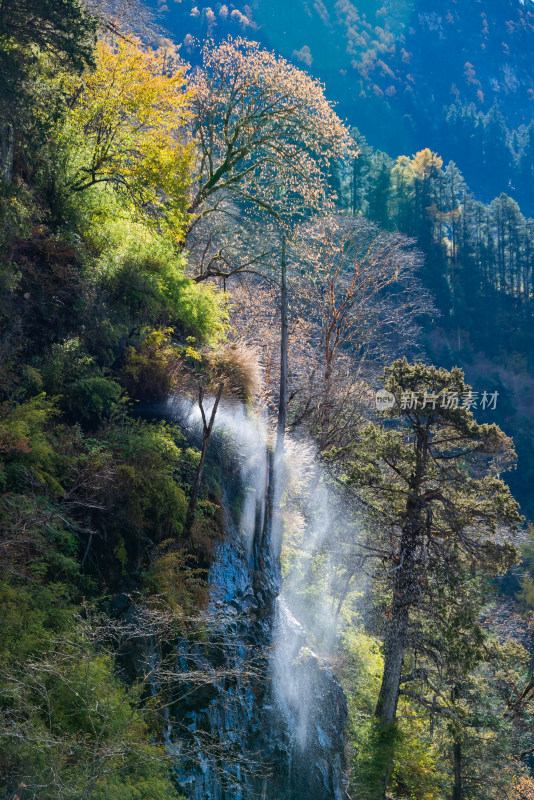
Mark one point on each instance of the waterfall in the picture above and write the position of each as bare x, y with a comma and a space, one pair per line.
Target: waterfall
270, 725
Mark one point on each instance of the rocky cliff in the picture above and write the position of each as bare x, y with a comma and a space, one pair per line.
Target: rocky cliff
269, 722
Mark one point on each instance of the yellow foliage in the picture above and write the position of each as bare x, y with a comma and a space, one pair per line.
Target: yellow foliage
151, 370
419, 769
425, 162
404, 167
125, 128
421, 166
522, 788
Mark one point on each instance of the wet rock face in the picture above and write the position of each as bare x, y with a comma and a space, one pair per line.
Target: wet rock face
270, 724
318, 764
312, 712
213, 725
256, 714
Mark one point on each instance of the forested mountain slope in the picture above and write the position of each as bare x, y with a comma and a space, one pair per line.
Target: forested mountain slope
205, 277
453, 76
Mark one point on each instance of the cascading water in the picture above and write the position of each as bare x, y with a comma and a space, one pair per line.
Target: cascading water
270, 723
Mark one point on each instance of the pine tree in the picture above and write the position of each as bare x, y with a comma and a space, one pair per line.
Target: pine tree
429, 479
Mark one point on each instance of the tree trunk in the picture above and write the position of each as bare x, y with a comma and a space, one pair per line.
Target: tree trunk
355, 177
326, 408
263, 527
404, 593
282, 402
396, 636
6, 152
457, 792
388, 698
206, 434
276, 463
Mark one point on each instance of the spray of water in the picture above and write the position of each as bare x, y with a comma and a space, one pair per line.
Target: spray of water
305, 612
248, 437
318, 526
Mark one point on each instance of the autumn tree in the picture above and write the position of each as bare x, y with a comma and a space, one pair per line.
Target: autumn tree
415, 189
429, 481
352, 297
228, 246
265, 138
124, 128
359, 287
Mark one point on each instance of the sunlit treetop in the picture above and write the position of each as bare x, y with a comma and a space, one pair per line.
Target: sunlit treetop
125, 128
265, 131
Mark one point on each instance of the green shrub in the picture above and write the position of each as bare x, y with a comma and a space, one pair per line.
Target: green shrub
17, 212
32, 614
70, 729
86, 394
151, 369
145, 279
174, 578
147, 496
26, 450
92, 398
417, 772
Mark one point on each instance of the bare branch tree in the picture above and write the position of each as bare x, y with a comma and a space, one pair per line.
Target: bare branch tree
359, 286
207, 428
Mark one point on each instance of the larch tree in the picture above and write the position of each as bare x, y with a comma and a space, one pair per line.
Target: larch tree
428, 480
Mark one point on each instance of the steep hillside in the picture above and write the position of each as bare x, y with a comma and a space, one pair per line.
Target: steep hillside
455, 77
250, 543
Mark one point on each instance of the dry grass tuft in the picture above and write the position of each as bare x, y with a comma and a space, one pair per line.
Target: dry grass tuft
237, 367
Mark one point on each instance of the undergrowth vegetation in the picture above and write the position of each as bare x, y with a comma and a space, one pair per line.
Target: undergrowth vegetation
98, 317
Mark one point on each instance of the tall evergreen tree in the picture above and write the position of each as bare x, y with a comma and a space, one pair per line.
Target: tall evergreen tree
429, 479
380, 191
60, 29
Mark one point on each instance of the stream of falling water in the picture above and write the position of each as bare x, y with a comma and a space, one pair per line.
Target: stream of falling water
292, 725
248, 434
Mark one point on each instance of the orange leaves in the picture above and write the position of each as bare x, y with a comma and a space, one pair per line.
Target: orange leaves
523, 788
